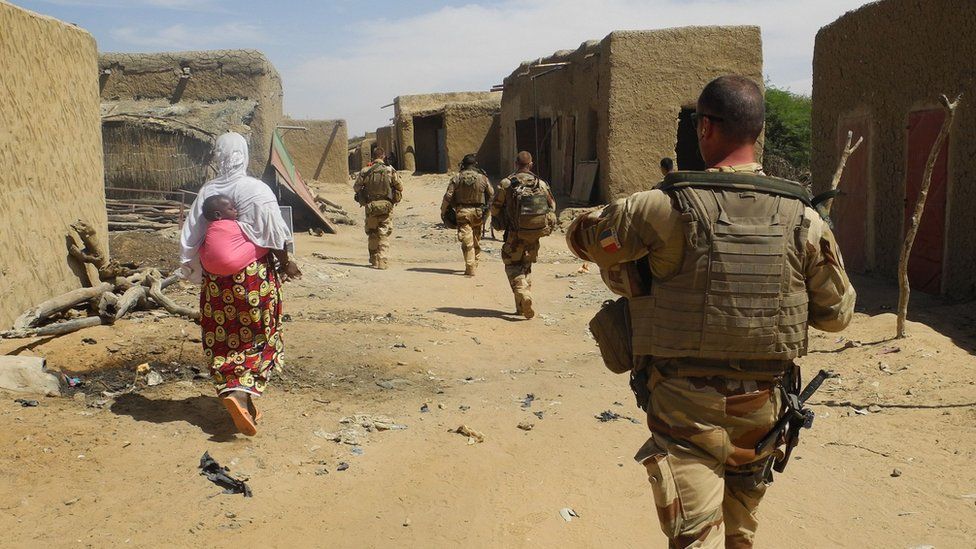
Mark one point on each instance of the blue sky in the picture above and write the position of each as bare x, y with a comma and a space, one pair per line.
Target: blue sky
338, 60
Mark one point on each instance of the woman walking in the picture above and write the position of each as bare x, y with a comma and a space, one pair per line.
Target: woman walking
240, 297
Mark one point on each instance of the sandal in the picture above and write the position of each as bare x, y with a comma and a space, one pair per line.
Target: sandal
242, 418
253, 410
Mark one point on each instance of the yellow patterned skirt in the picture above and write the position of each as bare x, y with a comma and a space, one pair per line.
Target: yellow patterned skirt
240, 316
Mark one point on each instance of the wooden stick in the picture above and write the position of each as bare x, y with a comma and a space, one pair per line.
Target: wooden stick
904, 289
835, 182
35, 316
156, 293
59, 329
132, 298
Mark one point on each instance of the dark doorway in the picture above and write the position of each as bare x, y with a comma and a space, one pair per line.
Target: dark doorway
686, 149
925, 261
530, 131
429, 144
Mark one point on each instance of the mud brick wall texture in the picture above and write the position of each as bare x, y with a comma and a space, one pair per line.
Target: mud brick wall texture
51, 153
215, 76
321, 151
617, 100
877, 65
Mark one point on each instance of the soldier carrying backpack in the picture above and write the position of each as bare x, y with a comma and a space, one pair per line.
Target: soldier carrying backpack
463, 208
525, 209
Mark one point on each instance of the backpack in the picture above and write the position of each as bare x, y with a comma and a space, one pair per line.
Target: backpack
531, 208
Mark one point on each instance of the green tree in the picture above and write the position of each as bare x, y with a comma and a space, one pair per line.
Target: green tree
787, 147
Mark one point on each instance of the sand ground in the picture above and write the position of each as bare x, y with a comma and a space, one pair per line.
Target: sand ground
95, 471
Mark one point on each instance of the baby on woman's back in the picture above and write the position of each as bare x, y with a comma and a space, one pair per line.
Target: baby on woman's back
226, 249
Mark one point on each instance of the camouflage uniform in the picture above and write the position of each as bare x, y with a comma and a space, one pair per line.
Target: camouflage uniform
521, 249
706, 415
378, 189
468, 194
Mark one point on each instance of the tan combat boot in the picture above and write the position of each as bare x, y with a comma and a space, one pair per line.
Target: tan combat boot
527, 310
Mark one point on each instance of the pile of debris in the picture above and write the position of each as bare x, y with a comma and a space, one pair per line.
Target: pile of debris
113, 292
333, 211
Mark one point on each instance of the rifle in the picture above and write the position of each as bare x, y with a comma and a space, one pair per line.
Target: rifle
796, 417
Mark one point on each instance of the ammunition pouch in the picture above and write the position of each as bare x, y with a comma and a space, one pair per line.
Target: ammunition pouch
611, 330
449, 218
379, 207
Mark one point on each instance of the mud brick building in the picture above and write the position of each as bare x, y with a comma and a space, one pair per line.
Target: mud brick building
878, 71
435, 131
360, 150
51, 153
320, 150
598, 119
161, 113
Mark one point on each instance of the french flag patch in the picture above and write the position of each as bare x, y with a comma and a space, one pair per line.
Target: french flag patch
608, 240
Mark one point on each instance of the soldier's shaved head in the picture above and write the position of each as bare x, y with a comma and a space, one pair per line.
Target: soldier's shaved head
735, 104
523, 159
379, 153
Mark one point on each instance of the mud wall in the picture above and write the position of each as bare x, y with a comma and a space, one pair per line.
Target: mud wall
571, 98
652, 75
320, 152
617, 101
360, 152
51, 153
880, 63
217, 75
473, 128
408, 106
384, 138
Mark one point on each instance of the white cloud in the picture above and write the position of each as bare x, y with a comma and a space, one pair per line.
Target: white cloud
473, 46
190, 37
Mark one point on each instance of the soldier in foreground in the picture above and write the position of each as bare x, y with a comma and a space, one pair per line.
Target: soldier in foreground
464, 207
525, 209
724, 270
378, 189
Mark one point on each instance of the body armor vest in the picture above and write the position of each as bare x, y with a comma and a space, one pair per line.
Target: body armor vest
379, 183
741, 290
469, 193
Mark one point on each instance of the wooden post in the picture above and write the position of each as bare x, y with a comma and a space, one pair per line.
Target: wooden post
904, 290
835, 182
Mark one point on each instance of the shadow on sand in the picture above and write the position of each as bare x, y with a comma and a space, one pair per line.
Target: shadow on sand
479, 313
204, 412
436, 270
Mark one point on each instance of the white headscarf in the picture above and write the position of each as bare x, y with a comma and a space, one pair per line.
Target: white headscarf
258, 212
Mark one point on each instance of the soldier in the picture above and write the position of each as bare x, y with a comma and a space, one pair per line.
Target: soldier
464, 207
525, 209
724, 270
378, 189
667, 166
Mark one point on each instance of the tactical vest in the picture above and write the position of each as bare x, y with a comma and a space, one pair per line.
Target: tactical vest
468, 192
379, 182
741, 290
529, 208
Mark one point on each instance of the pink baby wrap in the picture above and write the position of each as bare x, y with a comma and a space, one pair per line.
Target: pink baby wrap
226, 249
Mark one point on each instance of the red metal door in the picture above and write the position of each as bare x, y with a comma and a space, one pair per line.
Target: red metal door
850, 208
925, 261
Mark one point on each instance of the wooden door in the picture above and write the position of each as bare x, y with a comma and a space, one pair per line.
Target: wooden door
925, 261
851, 207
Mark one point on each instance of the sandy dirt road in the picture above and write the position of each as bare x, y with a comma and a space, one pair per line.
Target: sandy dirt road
105, 472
